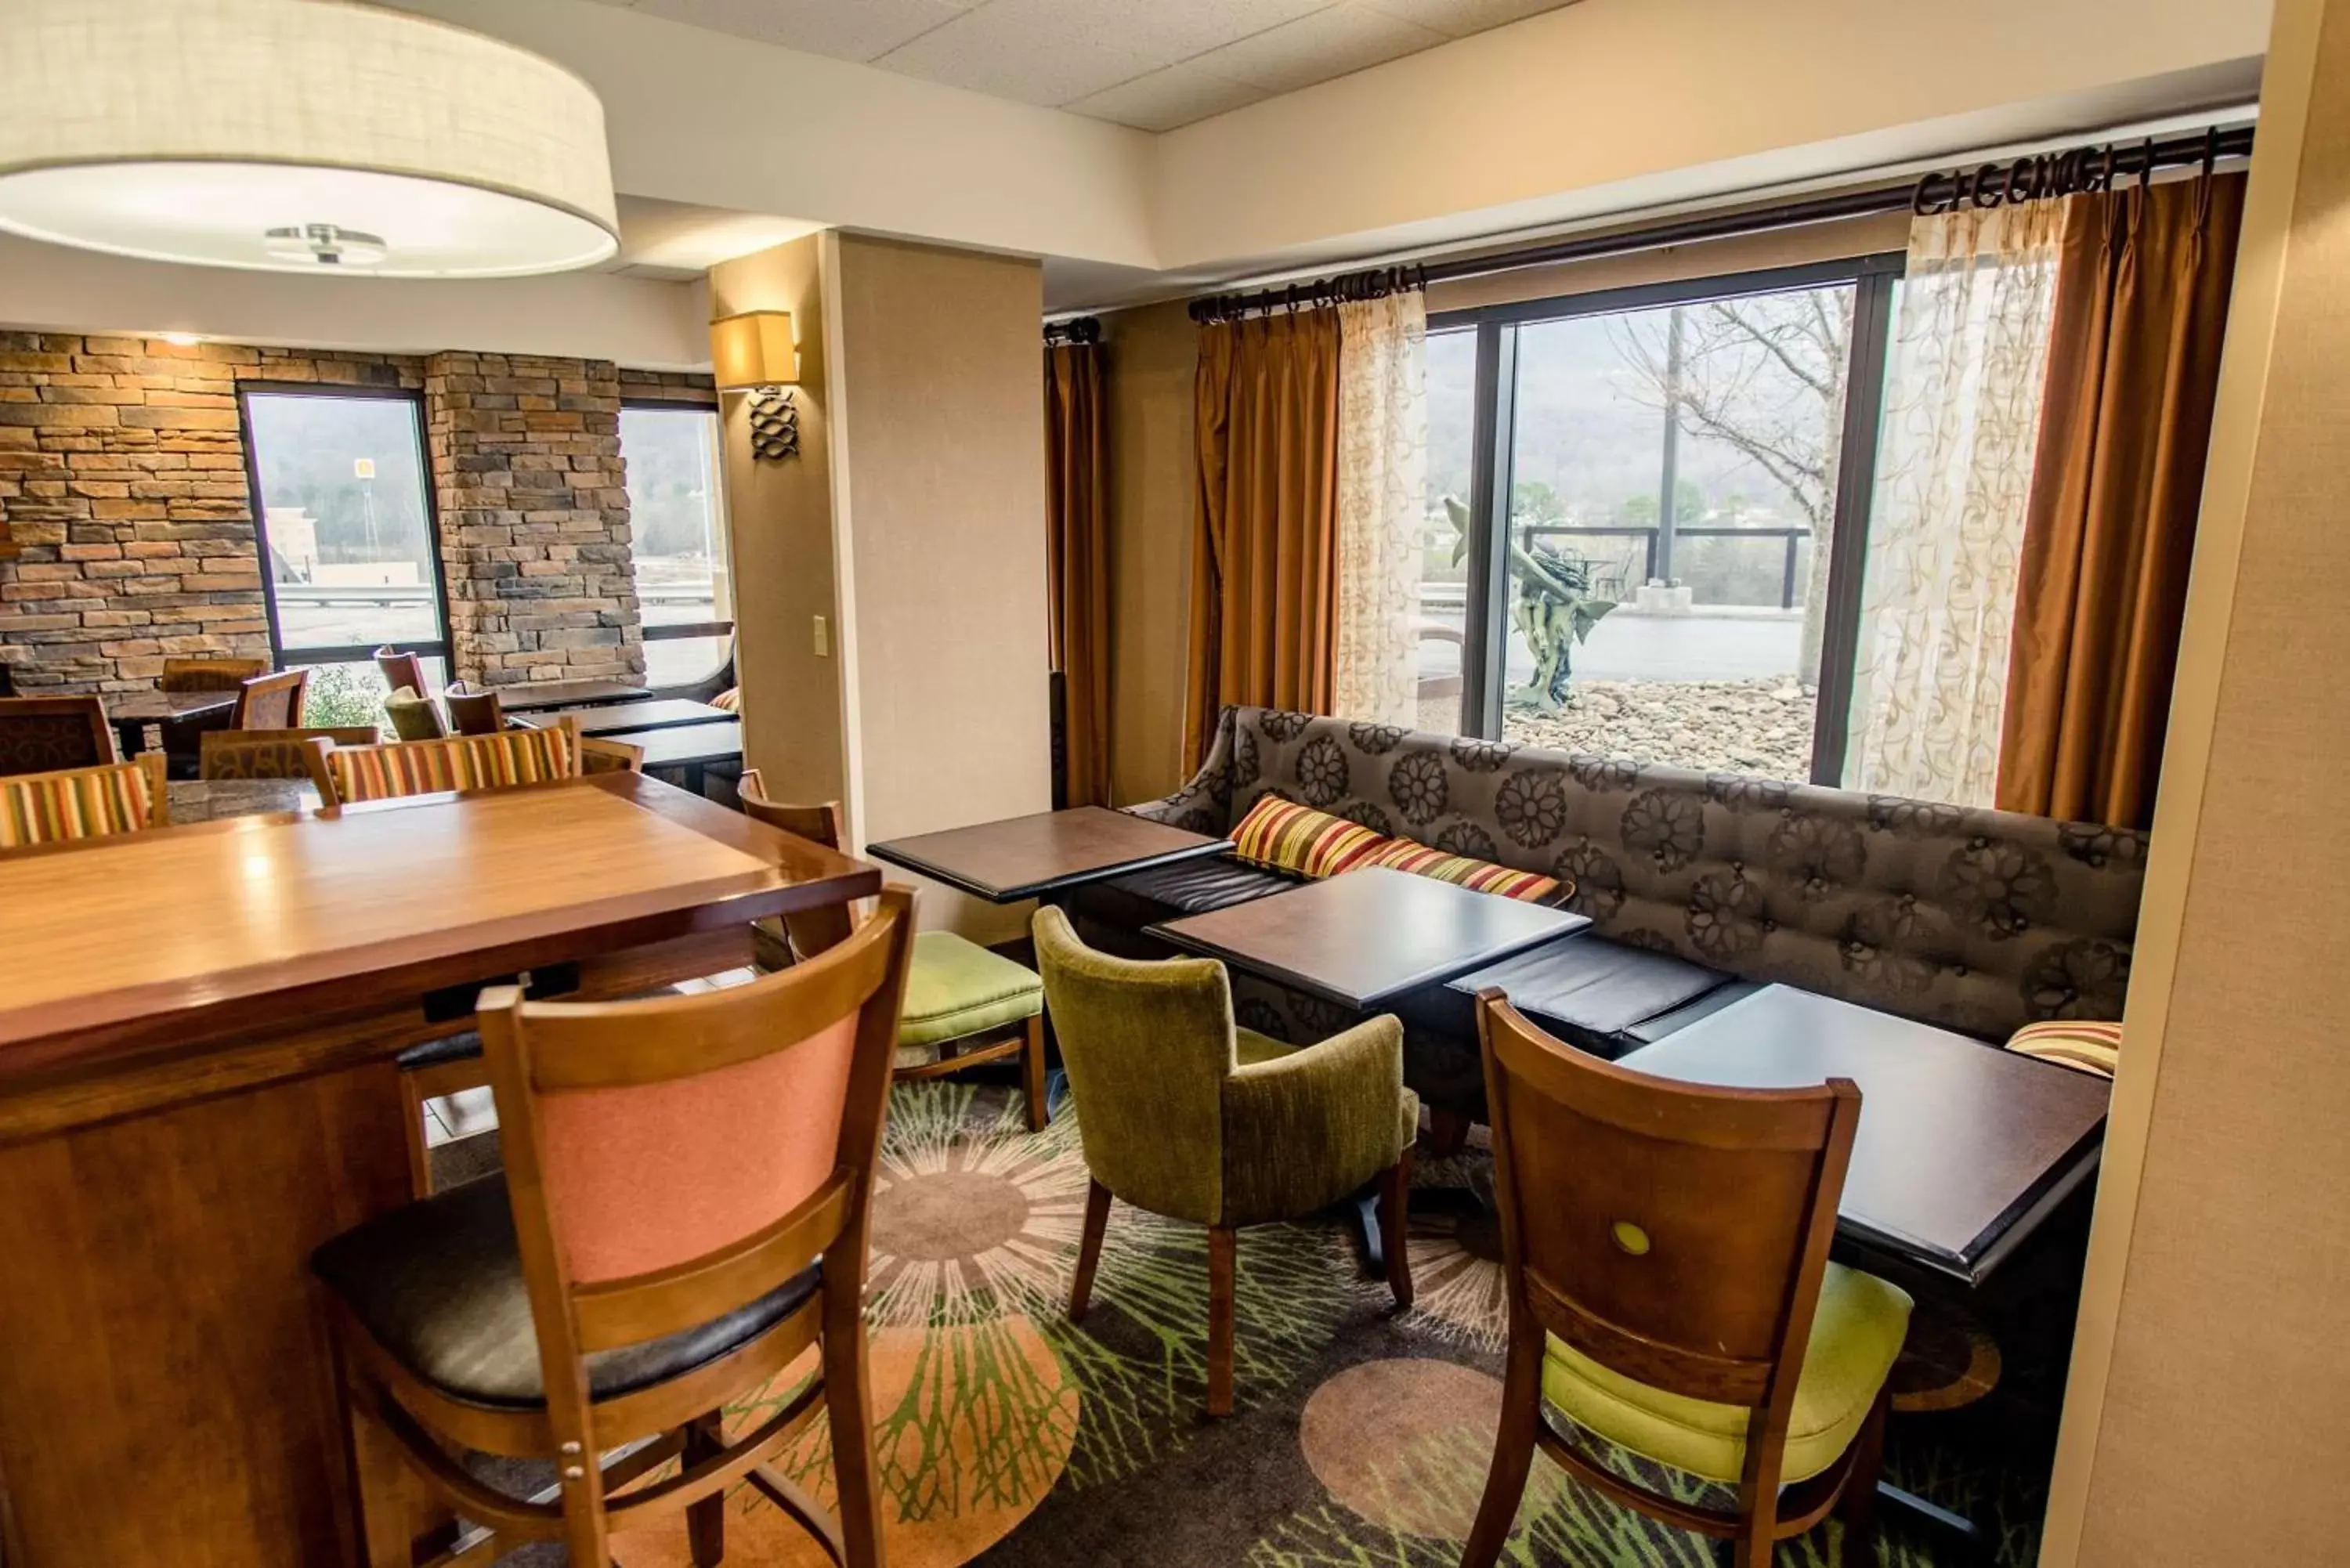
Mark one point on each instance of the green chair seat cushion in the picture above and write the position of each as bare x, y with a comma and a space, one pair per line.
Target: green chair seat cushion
955, 987
1856, 1335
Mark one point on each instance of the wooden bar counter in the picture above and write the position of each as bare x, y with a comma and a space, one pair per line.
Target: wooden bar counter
197, 1028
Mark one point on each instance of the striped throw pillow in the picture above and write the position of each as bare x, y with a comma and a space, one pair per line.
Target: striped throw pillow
2089, 1044
85, 803
1287, 836
498, 761
1403, 855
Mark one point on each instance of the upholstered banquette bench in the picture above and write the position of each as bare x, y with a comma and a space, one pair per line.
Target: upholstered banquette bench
1699, 887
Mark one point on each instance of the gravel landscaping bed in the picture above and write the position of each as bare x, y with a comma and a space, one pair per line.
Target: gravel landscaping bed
1716, 726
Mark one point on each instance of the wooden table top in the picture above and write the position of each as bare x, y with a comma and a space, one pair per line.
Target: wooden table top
189, 932
153, 707
613, 719
534, 696
1963, 1148
689, 745
1029, 857
1369, 936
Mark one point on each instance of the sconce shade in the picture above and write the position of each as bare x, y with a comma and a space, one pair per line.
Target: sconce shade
753, 349
287, 135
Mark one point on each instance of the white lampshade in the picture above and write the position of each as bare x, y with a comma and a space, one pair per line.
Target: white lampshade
189, 130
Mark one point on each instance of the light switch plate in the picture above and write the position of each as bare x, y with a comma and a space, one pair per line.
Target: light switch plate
823, 633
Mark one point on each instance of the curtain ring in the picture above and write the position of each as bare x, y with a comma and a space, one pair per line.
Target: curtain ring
1920, 202
2210, 149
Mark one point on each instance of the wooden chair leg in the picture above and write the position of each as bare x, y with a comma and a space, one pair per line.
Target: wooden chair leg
378, 1495
419, 1153
1857, 1505
1033, 1060
849, 1406
1081, 1290
1448, 1133
1222, 1262
705, 1522
1514, 1444
1395, 1202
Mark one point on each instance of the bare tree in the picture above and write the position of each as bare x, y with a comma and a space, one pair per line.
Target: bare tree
1764, 375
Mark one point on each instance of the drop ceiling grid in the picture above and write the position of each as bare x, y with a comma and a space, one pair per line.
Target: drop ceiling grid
1152, 64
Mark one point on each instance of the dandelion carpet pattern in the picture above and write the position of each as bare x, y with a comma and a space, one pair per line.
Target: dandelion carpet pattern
1012, 1439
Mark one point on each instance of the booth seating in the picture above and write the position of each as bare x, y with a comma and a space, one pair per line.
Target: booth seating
1979, 921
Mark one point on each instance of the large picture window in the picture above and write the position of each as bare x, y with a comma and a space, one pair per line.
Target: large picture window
1652, 484
348, 541
677, 516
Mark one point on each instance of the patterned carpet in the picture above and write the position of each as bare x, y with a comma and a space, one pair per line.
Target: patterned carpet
1013, 1439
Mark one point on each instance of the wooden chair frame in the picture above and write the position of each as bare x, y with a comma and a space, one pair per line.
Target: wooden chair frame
401, 670
393, 1418
473, 712
813, 931
209, 674
1822, 1122
91, 710
215, 742
297, 680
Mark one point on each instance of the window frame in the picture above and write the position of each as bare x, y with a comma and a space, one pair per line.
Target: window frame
1494, 440
697, 628
283, 656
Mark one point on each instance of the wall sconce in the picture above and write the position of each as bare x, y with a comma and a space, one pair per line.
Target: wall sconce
757, 353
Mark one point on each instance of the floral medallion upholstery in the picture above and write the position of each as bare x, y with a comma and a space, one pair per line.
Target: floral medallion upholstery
1977, 920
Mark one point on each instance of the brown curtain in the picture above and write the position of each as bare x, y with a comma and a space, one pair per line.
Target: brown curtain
2133, 368
1265, 547
1078, 497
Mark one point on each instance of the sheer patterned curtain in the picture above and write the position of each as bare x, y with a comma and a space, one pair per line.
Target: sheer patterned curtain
1382, 505
1962, 422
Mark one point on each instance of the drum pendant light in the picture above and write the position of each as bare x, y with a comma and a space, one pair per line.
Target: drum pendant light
298, 136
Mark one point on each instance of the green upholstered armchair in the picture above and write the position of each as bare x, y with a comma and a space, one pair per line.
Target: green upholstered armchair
1185, 1115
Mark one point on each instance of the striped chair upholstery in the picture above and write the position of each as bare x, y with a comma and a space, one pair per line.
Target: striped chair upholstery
83, 802
508, 758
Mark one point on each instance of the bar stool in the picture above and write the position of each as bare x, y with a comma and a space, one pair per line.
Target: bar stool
685, 1209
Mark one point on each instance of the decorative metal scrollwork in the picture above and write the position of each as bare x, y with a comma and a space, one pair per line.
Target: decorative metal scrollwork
774, 424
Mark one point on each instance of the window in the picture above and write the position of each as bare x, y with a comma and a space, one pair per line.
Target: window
678, 525
348, 535
1655, 481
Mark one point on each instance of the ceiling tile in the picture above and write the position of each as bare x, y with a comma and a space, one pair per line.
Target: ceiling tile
1166, 30
992, 50
1458, 18
1317, 47
860, 30
1167, 99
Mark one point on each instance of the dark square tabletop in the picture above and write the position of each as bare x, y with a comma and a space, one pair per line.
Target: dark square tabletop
1963, 1150
153, 707
1366, 937
687, 745
537, 696
1035, 856
602, 719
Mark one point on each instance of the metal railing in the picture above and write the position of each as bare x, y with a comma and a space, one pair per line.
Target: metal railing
1790, 537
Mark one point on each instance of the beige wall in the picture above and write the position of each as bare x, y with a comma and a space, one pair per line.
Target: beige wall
779, 535
2204, 1418
1151, 354
939, 400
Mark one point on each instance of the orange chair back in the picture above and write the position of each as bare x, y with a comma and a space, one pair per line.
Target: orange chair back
272, 702
46, 734
209, 674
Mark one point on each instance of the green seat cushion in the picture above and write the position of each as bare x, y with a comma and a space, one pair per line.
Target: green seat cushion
955, 987
1855, 1335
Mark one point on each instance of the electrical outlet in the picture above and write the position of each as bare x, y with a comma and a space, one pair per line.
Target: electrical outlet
823, 636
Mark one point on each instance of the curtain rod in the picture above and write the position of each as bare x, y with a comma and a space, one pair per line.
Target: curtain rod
2031, 178
1077, 329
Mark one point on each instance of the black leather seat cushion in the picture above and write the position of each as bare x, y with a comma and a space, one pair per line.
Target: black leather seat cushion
1585, 989
439, 1284
462, 1047
1171, 892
